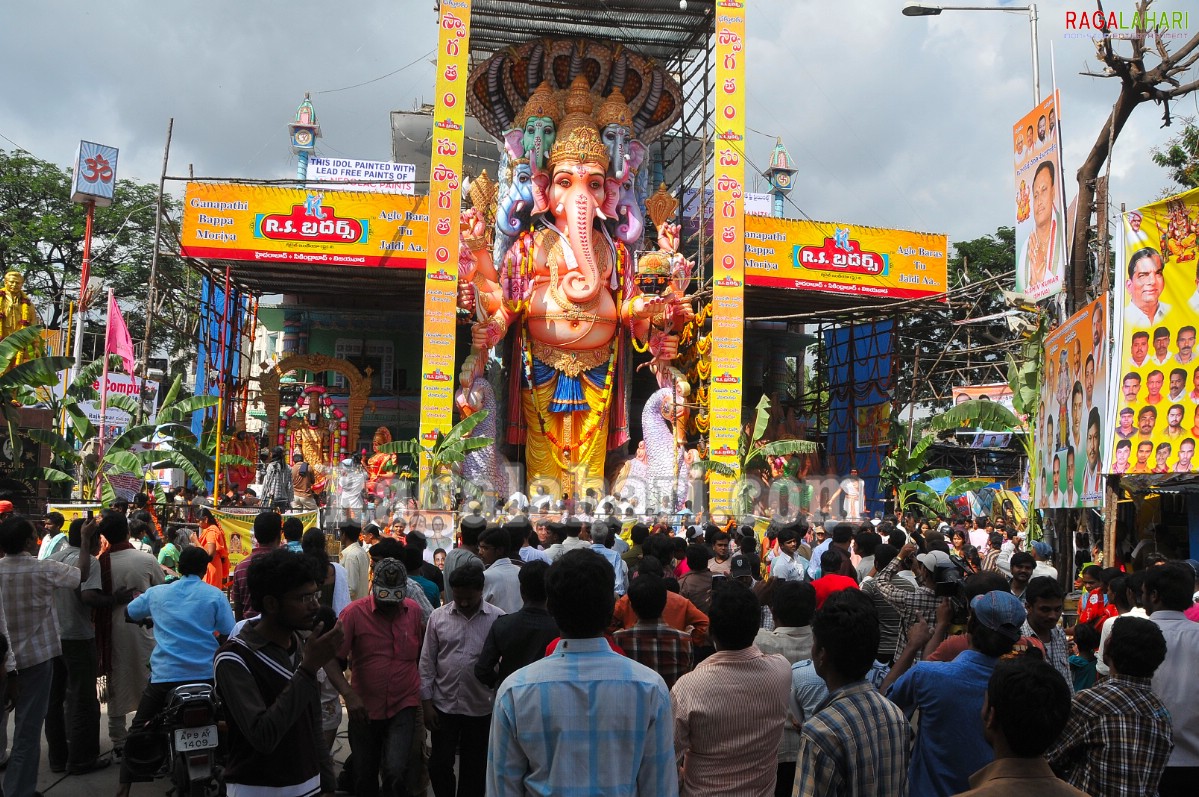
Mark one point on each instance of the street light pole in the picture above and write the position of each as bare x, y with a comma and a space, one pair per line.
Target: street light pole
926, 10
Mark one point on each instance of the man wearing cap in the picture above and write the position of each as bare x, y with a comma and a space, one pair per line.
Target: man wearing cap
741, 569
6, 509
382, 640
1043, 554
950, 743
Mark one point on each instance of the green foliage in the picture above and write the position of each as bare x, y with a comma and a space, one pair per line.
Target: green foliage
442, 460
752, 451
41, 236
1180, 157
25, 385
931, 331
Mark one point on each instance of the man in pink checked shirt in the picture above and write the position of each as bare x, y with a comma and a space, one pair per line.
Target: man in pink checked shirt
382, 640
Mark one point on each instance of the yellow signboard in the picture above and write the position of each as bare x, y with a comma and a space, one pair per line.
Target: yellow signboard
728, 250
445, 193
844, 258
270, 224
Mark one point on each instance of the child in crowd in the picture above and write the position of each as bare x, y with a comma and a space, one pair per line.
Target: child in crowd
1083, 662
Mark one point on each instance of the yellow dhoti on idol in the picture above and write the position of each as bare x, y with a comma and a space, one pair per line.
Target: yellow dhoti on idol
565, 395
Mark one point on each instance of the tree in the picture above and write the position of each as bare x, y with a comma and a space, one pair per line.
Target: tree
1180, 156
41, 236
1149, 73
953, 354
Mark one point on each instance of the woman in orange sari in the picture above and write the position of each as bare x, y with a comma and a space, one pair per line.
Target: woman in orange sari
212, 540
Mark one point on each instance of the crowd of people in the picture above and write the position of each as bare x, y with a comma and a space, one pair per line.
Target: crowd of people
589, 657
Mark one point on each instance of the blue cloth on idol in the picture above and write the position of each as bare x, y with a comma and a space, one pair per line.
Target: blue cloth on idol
568, 392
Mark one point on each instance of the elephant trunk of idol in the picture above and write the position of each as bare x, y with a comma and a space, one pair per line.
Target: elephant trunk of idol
631, 225
620, 165
582, 284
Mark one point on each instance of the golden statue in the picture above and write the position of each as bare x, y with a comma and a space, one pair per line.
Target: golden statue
310, 436
16, 310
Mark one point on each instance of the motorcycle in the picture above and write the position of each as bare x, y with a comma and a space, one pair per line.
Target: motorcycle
184, 739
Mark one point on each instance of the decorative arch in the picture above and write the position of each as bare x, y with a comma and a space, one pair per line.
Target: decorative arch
360, 387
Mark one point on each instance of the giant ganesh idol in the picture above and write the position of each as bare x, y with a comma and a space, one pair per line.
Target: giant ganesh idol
555, 288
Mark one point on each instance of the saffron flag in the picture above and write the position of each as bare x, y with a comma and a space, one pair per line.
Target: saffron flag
116, 339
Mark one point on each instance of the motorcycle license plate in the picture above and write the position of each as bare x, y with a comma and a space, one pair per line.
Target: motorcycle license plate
201, 738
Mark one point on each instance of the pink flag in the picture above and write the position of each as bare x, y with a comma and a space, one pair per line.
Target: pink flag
116, 339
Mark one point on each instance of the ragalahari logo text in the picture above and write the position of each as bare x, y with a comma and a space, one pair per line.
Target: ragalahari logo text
1098, 24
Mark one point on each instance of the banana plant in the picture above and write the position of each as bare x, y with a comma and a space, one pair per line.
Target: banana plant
167, 442
752, 451
27, 383
443, 459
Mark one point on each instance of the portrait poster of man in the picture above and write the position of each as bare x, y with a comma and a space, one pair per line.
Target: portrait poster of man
1156, 423
1040, 203
1072, 415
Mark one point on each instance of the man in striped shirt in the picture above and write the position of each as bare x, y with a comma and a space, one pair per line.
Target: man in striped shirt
858, 743
564, 725
729, 711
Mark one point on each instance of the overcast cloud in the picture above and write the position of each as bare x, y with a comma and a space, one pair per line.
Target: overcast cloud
893, 121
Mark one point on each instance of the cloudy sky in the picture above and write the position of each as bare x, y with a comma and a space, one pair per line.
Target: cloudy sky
893, 121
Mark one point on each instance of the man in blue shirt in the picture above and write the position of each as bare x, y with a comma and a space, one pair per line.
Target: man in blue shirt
584, 720
950, 745
188, 617
601, 535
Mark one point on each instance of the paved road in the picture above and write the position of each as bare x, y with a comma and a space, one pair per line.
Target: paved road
103, 783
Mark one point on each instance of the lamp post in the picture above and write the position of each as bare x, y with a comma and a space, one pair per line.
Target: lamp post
926, 10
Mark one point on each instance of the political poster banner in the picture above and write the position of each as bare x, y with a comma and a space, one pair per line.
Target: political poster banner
1157, 305
999, 392
1072, 414
728, 250
238, 528
1040, 199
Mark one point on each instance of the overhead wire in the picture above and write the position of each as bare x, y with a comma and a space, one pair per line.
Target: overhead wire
381, 77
